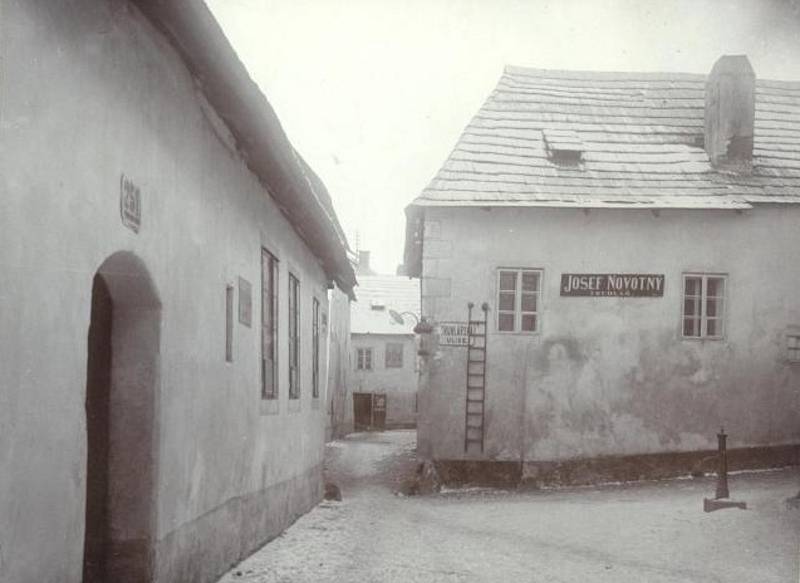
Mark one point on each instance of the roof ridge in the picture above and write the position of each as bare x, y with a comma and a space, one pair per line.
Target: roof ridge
610, 74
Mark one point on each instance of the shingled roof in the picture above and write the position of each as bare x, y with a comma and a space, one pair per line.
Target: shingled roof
377, 294
642, 138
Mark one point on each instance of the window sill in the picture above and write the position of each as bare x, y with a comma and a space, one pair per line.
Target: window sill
506, 333
269, 407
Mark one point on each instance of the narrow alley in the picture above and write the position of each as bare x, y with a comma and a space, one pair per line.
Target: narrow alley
655, 532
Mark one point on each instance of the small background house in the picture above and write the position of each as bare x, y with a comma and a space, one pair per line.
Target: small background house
384, 354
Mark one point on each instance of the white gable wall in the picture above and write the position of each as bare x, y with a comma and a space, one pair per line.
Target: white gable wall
612, 376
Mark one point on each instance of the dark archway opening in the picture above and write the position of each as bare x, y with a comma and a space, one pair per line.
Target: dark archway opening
122, 377
98, 385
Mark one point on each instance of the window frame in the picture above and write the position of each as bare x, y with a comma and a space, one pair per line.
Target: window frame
789, 336
367, 351
293, 336
518, 295
315, 347
229, 302
269, 327
703, 298
395, 345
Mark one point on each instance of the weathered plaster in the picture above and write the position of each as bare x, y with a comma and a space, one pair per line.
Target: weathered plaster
612, 376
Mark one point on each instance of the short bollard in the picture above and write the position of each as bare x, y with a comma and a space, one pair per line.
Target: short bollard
722, 469
722, 494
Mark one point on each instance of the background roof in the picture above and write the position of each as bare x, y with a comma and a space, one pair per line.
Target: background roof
643, 144
393, 292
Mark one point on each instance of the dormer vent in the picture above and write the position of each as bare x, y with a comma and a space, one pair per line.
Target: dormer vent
564, 147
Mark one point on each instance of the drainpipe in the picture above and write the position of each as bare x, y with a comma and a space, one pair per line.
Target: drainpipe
523, 426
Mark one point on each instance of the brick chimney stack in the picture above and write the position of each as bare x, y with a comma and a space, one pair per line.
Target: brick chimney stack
730, 113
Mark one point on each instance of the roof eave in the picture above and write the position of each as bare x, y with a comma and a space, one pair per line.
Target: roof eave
194, 32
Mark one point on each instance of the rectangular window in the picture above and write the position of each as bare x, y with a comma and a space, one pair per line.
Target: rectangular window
703, 305
364, 359
394, 355
518, 299
229, 323
269, 325
315, 348
793, 347
294, 337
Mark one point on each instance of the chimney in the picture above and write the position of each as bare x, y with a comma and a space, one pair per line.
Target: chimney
730, 113
363, 267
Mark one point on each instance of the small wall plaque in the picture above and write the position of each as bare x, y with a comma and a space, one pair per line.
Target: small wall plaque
245, 302
130, 204
454, 333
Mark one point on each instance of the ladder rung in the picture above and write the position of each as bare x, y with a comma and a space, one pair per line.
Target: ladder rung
475, 401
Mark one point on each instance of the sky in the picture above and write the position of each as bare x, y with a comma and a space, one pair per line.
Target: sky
375, 93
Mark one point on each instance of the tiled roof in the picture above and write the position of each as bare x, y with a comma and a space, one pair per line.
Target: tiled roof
642, 139
392, 292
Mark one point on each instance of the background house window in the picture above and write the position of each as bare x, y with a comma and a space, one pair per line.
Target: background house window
394, 355
269, 325
315, 348
703, 305
793, 347
364, 359
229, 323
294, 337
518, 300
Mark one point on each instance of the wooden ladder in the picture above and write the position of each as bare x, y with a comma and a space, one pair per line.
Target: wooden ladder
476, 380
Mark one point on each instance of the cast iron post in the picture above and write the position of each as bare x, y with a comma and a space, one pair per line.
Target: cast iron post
722, 472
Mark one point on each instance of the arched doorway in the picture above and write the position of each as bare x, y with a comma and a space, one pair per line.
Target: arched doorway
122, 380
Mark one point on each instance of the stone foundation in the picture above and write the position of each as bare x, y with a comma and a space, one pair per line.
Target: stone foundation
610, 468
202, 550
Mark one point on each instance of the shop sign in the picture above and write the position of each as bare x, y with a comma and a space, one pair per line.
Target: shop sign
627, 285
454, 333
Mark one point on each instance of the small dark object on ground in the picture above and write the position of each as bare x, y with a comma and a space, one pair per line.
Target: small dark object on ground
710, 505
794, 501
332, 492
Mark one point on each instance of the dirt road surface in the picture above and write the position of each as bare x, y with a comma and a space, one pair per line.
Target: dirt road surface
648, 532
